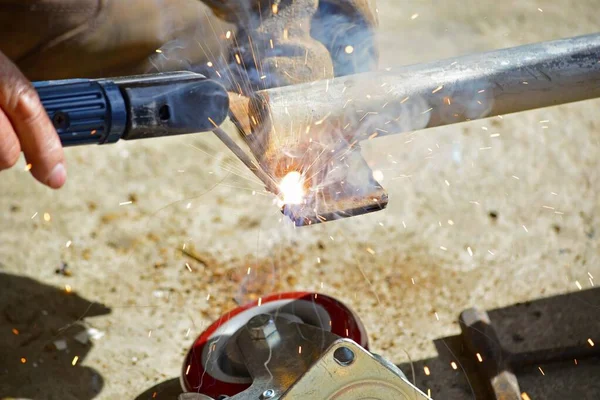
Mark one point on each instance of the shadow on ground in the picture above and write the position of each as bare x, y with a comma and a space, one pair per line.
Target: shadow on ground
39, 325
167, 390
565, 322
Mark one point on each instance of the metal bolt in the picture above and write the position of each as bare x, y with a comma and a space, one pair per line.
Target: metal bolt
343, 356
261, 326
267, 394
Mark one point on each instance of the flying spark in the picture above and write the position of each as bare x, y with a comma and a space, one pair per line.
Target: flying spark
349, 49
75, 359
414, 16
479, 358
427, 371
453, 365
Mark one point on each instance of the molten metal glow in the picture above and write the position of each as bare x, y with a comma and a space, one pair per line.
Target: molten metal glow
291, 188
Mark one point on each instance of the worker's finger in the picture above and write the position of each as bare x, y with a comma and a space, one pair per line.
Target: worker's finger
10, 150
37, 136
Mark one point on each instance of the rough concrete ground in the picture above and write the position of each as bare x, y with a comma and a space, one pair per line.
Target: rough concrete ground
526, 209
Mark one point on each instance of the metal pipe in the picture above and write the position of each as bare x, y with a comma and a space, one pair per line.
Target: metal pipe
434, 94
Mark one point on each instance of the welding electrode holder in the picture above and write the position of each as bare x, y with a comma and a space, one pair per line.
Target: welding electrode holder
102, 111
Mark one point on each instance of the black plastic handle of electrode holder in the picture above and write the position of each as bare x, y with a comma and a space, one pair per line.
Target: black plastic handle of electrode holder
86, 111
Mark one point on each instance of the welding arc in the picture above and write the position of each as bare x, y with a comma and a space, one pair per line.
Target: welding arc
270, 184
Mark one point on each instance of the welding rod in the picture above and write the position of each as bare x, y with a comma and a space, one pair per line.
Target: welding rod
270, 184
440, 93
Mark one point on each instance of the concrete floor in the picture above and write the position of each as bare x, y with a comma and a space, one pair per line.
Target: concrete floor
131, 284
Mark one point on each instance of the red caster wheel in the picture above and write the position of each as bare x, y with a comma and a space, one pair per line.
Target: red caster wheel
208, 368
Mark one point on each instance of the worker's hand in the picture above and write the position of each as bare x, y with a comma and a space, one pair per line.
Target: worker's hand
282, 43
25, 126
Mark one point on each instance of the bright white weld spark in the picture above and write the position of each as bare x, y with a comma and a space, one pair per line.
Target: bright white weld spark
378, 175
470, 251
404, 224
453, 365
447, 183
47, 217
125, 203
187, 370
28, 167
292, 189
540, 10
427, 371
524, 227
68, 244
541, 370
188, 205
75, 359
437, 316
370, 251
188, 332
484, 148
188, 267
516, 177
443, 248
210, 64
318, 260
494, 135
158, 51
484, 128
34, 215
450, 222
578, 285
479, 357
491, 252
525, 396
591, 342
349, 49
228, 34
437, 89
412, 280
414, 16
